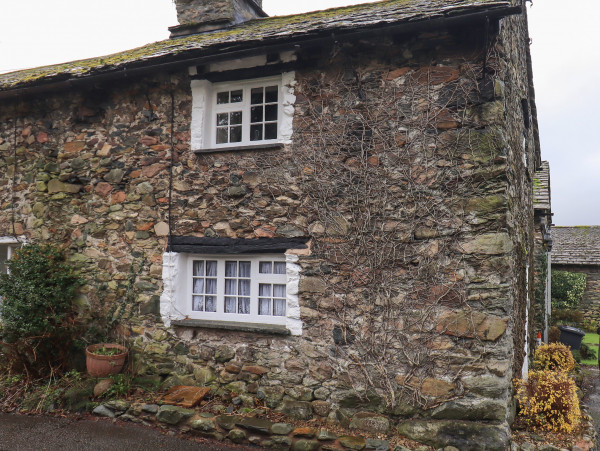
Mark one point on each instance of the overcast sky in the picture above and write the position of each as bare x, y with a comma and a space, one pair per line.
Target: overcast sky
565, 51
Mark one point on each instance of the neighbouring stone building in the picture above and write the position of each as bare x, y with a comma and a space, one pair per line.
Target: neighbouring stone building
333, 211
577, 249
542, 205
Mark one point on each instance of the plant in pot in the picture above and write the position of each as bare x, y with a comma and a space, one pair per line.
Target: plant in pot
105, 351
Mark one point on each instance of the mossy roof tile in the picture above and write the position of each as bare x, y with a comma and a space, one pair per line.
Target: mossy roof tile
256, 32
579, 245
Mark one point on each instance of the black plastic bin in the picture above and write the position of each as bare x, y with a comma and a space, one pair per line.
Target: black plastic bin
571, 336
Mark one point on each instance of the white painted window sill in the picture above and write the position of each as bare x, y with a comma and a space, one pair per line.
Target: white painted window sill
272, 329
272, 146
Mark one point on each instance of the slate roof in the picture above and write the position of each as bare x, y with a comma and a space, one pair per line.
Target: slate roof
264, 31
578, 245
541, 187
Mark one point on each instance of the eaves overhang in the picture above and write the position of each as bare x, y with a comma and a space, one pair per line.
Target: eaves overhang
180, 54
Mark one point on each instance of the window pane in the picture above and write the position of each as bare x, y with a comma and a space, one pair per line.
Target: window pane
211, 303
271, 112
230, 269
198, 303
244, 288
211, 268
235, 134
256, 114
256, 96
230, 286
222, 119
235, 118
279, 307
198, 268
278, 291
264, 306
264, 290
229, 305
244, 269
271, 131
222, 97
198, 286
236, 96
279, 268
265, 268
211, 286
244, 306
222, 135
256, 132
271, 94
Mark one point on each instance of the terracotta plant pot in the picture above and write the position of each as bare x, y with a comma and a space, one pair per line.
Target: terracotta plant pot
104, 365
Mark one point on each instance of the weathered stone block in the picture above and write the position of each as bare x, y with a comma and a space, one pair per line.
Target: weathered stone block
488, 244
281, 428
471, 409
224, 353
272, 395
464, 435
204, 375
368, 421
173, 414
312, 285
203, 425
255, 424
471, 324
236, 436
56, 186
352, 442
299, 410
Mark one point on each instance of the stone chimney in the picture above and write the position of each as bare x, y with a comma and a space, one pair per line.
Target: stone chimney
197, 16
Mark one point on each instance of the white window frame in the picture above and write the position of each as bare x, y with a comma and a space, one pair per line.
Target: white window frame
245, 106
176, 299
204, 111
255, 279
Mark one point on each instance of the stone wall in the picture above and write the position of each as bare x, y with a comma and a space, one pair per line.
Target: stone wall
407, 173
590, 305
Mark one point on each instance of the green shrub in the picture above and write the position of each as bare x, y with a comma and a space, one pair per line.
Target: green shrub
587, 352
567, 289
38, 317
589, 325
566, 317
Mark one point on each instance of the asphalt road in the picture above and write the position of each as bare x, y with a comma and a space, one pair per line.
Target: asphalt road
38, 433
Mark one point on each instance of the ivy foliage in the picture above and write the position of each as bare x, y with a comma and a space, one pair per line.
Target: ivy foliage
38, 315
567, 289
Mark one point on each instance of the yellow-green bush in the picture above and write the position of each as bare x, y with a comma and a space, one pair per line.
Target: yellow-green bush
548, 401
553, 357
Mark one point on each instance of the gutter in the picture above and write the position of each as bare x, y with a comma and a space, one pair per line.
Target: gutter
240, 51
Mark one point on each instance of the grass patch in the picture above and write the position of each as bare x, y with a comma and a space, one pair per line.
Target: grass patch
591, 340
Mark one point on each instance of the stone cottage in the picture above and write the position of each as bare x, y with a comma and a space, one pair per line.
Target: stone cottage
332, 211
577, 249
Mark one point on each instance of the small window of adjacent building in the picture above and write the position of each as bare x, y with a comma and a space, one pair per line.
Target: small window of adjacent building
7, 249
234, 288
